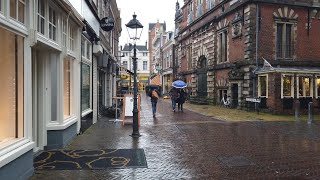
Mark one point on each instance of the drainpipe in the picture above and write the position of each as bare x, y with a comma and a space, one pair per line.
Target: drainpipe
254, 94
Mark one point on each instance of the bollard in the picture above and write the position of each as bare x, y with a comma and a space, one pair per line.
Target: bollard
310, 112
296, 110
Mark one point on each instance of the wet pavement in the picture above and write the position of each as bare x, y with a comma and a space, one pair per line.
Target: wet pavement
188, 145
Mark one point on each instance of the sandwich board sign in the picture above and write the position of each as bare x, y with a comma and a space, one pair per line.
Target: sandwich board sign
127, 108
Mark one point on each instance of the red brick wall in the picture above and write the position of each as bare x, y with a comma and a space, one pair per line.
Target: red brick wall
306, 47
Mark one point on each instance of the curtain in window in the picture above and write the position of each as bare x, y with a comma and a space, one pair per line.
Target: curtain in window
11, 78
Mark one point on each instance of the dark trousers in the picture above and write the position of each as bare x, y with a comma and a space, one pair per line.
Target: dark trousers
180, 106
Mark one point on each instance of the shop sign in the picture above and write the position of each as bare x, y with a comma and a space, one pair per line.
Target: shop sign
107, 24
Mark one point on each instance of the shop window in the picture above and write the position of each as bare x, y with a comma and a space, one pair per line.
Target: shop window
64, 33
67, 85
287, 86
263, 86
17, 10
223, 46
318, 87
284, 41
52, 24
86, 90
85, 87
304, 86
12, 87
41, 17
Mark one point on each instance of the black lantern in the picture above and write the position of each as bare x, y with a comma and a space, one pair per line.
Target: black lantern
134, 28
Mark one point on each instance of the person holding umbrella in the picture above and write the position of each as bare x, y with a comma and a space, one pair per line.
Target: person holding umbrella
175, 93
154, 95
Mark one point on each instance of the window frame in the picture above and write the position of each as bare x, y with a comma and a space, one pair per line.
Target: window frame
87, 61
303, 88
292, 86
43, 17
259, 85
223, 48
71, 86
284, 44
145, 65
19, 92
51, 24
16, 8
317, 88
64, 32
72, 38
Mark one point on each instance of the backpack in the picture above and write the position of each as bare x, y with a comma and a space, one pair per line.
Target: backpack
155, 94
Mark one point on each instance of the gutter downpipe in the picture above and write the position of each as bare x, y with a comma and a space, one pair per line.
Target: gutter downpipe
254, 93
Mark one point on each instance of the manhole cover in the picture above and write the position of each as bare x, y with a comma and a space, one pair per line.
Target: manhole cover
235, 161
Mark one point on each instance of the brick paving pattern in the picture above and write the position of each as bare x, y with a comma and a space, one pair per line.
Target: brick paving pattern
192, 146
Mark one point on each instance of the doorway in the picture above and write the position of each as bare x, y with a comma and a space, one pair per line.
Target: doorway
202, 77
235, 95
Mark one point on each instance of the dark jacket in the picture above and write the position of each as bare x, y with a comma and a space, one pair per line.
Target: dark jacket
182, 97
150, 95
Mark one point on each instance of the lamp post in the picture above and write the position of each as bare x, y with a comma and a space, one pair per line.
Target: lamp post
134, 28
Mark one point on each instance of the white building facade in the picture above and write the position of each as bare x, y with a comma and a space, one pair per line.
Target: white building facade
143, 65
50, 54
40, 62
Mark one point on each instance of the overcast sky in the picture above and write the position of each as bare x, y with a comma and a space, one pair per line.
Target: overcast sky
147, 11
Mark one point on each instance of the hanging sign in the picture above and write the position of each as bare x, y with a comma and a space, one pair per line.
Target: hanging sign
107, 24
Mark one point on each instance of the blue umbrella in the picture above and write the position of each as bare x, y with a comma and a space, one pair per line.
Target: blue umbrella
179, 84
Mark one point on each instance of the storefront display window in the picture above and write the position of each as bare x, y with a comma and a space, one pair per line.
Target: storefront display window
12, 86
318, 86
287, 86
85, 87
263, 86
304, 87
67, 93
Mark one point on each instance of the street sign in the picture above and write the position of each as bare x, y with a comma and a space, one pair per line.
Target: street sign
256, 100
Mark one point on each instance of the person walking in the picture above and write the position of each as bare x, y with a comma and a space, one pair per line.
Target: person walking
154, 96
181, 99
174, 94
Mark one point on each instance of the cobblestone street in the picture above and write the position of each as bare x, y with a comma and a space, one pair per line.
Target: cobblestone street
187, 145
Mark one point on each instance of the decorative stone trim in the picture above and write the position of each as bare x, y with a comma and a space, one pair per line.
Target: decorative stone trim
285, 13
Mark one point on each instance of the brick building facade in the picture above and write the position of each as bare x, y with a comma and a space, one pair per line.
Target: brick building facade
250, 48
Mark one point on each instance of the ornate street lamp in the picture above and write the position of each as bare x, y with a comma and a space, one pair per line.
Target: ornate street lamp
134, 28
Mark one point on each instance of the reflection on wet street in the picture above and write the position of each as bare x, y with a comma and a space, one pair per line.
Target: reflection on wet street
191, 146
